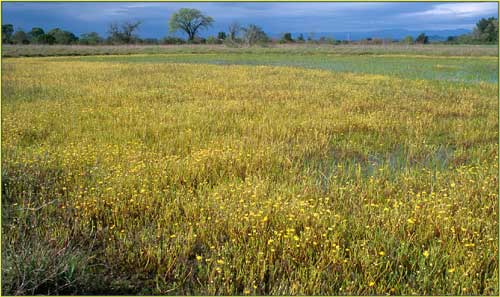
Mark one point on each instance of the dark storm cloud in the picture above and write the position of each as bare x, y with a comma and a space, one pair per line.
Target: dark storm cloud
272, 16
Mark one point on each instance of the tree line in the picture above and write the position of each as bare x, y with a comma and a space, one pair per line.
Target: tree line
192, 21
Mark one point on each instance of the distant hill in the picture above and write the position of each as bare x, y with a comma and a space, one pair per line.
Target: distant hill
436, 35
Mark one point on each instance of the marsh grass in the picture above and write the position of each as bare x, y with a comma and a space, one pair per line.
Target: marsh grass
161, 178
461, 69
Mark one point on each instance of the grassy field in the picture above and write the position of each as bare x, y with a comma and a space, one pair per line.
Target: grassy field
304, 49
457, 68
187, 174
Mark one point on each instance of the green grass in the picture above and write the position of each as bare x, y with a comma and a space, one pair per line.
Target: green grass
470, 69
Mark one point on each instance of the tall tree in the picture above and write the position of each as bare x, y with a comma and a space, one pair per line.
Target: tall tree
190, 21
486, 30
7, 31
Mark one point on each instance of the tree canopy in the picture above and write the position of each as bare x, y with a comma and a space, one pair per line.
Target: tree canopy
36, 35
91, 38
20, 37
190, 21
62, 36
287, 37
422, 39
7, 31
486, 30
408, 40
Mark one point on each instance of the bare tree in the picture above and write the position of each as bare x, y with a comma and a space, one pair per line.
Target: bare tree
128, 29
123, 33
254, 34
234, 29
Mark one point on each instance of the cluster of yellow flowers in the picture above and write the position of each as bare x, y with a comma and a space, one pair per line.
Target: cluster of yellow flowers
259, 180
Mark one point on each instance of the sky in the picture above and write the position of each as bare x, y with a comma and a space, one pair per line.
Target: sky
273, 17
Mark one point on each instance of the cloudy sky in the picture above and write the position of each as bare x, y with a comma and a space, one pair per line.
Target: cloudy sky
274, 17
